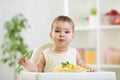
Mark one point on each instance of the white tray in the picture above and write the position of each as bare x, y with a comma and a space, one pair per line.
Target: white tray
68, 76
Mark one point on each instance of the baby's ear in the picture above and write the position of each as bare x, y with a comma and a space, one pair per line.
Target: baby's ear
73, 36
50, 34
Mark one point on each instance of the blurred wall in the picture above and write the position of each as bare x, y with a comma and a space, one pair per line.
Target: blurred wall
40, 14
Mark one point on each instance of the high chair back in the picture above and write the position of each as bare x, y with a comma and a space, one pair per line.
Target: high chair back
37, 52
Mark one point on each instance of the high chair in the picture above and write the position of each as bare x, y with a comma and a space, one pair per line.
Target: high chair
25, 75
38, 51
68, 76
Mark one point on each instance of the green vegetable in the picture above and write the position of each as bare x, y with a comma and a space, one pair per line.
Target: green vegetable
64, 64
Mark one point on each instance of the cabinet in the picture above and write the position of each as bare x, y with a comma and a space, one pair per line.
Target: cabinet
98, 34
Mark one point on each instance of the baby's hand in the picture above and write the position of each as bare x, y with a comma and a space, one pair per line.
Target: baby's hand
23, 61
92, 70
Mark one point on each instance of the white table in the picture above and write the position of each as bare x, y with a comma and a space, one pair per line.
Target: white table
68, 76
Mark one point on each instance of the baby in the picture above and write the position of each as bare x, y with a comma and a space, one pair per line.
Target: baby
62, 34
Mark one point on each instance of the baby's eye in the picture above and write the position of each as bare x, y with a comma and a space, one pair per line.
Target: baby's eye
57, 31
67, 31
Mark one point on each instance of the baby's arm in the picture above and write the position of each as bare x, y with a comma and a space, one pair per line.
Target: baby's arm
28, 65
82, 64
41, 63
33, 67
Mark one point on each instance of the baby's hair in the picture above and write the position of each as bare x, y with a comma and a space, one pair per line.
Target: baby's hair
63, 19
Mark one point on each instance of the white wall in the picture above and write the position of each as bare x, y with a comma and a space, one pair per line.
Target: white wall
39, 13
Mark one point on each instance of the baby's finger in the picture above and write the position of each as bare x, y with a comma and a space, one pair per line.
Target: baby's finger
21, 61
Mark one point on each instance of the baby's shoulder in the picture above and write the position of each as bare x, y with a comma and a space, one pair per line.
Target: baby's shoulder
46, 50
72, 49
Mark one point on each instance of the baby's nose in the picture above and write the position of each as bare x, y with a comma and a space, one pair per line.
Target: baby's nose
62, 34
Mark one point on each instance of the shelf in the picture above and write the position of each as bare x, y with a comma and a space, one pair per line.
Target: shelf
110, 66
102, 27
105, 66
100, 35
79, 28
105, 27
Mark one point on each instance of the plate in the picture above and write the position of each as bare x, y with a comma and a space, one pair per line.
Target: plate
69, 69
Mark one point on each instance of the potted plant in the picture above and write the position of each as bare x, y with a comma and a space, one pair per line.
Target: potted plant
93, 17
93, 11
13, 44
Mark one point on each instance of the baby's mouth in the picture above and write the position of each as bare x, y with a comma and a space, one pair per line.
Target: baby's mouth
61, 40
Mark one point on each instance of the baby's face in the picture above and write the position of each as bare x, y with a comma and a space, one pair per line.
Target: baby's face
62, 33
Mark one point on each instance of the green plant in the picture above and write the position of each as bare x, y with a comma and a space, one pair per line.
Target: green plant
13, 44
93, 11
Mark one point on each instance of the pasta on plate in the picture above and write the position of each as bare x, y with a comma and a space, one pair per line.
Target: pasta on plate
67, 67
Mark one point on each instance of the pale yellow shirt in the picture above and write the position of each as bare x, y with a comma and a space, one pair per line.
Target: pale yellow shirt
55, 59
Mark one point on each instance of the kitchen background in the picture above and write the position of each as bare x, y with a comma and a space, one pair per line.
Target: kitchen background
97, 29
